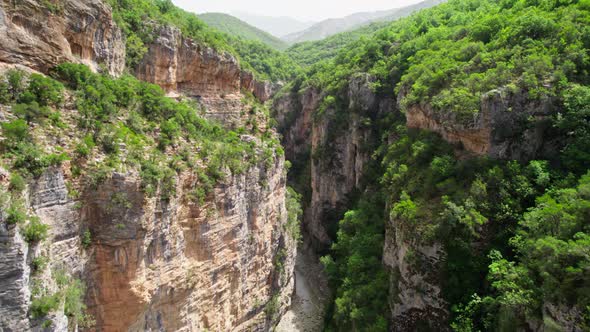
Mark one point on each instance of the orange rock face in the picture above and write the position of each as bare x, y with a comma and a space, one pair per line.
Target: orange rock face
80, 31
181, 265
180, 65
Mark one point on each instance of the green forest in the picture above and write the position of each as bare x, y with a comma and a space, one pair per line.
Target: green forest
530, 219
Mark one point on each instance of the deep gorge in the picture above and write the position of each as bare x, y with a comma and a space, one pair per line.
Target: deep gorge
159, 175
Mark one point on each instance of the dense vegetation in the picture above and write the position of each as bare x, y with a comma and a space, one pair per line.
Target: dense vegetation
515, 233
139, 18
312, 52
238, 28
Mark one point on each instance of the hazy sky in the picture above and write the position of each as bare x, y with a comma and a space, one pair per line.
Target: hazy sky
300, 9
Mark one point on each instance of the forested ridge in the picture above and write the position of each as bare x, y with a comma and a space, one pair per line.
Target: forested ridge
515, 233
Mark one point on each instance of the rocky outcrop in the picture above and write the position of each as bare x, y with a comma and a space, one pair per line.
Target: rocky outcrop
158, 265
263, 90
339, 142
41, 34
415, 299
182, 66
180, 265
510, 125
225, 264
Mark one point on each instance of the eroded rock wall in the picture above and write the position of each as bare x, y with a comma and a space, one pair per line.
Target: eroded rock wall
180, 265
182, 66
35, 36
510, 125
339, 142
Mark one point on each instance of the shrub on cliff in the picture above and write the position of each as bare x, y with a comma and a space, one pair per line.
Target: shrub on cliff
35, 230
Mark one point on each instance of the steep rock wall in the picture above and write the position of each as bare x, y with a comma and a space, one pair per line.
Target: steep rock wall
76, 30
179, 265
509, 126
157, 265
182, 66
415, 299
339, 144
151, 264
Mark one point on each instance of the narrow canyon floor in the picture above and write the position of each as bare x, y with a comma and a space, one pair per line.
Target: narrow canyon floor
310, 298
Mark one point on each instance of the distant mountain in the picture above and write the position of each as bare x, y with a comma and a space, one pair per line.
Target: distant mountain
238, 28
277, 26
333, 26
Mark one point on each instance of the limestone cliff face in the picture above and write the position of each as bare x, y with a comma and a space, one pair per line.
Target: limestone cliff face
158, 265
74, 30
415, 299
339, 143
179, 265
181, 66
509, 126
174, 265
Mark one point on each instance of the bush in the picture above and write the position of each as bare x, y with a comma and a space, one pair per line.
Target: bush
15, 132
35, 230
294, 213
76, 75
16, 83
38, 263
41, 306
86, 238
31, 111
46, 91
17, 183
16, 213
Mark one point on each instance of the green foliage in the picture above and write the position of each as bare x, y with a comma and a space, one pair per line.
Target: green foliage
271, 309
575, 124
238, 28
39, 263
35, 230
294, 213
17, 183
31, 112
86, 238
14, 132
136, 50
16, 83
16, 214
44, 90
356, 272
41, 306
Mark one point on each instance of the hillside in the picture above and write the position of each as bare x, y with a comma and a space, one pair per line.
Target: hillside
276, 26
263, 61
312, 52
238, 28
443, 165
333, 26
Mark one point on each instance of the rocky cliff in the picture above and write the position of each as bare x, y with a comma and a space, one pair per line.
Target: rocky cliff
339, 137
153, 264
221, 263
181, 66
509, 125
39, 36
339, 143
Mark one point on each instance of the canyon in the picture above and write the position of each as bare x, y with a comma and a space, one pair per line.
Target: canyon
424, 194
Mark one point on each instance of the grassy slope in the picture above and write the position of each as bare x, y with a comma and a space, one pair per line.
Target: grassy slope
238, 28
